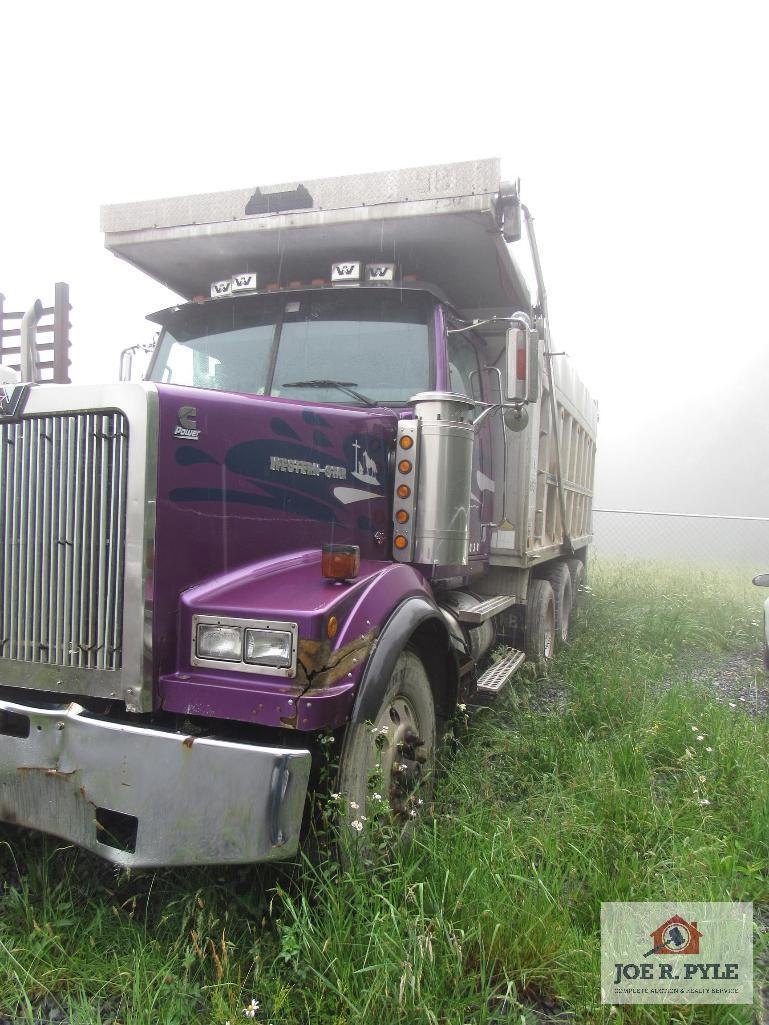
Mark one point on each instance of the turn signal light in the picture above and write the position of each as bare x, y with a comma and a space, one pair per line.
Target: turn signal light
404, 466
406, 441
340, 562
403, 491
400, 541
402, 516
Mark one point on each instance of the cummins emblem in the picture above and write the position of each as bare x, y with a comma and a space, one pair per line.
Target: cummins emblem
12, 400
187, 426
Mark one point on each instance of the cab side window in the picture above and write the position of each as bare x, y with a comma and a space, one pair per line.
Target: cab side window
464, 367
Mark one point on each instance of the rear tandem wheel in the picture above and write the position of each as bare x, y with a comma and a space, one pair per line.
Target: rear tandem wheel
560, 580
539, 633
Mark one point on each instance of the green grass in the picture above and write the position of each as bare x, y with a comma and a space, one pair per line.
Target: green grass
540, 817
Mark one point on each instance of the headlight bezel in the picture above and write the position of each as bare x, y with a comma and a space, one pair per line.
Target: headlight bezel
241, 666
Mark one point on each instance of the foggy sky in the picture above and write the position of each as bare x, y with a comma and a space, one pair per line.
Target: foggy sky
638, 132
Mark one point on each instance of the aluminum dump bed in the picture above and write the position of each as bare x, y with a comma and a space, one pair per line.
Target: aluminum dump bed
439, 224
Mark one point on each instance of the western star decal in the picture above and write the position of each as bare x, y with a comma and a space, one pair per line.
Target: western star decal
281, 464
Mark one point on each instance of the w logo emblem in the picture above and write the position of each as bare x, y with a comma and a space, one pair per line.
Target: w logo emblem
345, 271
12, 399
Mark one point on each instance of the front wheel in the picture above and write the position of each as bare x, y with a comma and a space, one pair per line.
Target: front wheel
387, 765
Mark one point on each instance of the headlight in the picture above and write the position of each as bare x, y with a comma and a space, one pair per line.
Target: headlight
268, 648
223, 643
245, 645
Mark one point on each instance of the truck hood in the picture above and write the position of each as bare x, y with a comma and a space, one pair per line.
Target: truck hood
242, 478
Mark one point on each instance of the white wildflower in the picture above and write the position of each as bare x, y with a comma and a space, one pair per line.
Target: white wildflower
420, 802
695, 729
376, 797
413, 813
700, 736
462, 708
403, 766
357, 825
384, 730
252, 1009
709, 749
704, 801
354, 805
335, 797
732, 704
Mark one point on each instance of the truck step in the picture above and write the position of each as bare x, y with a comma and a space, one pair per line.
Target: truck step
494, 679
485, 609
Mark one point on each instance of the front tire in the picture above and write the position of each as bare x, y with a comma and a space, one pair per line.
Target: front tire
393, 756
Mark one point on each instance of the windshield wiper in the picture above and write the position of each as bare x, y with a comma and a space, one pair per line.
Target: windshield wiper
345, 386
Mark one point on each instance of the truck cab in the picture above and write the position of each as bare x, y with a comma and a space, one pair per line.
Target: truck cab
353, 470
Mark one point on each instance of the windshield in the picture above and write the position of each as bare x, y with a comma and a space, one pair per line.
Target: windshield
299, 346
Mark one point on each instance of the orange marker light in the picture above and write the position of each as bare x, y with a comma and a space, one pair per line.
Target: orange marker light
406, 441
402, 516
404, 466
332, 626
340, 562
400, 541
403, 491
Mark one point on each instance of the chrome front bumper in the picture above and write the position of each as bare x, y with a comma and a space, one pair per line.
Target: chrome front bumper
143, 797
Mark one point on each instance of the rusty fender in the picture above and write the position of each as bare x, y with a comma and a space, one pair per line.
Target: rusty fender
319, 667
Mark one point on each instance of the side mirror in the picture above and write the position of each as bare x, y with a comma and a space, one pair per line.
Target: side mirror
134, 361
522, 382
762, 580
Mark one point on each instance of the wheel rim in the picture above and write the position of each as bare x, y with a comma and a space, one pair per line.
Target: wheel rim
398, 753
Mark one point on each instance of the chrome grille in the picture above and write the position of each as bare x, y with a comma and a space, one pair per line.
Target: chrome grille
62, 539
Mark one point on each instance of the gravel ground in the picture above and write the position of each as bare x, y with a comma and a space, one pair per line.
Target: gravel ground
739, 679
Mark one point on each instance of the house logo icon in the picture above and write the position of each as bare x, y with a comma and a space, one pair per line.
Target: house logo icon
676, 936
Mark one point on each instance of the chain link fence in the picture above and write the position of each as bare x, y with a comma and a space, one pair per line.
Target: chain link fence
738, 541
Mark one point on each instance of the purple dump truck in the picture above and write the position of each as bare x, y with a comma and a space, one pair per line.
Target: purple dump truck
354, 470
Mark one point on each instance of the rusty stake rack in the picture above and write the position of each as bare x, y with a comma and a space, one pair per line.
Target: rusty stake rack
51, 357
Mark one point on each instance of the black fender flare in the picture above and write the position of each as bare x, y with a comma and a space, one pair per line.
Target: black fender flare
403, 623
